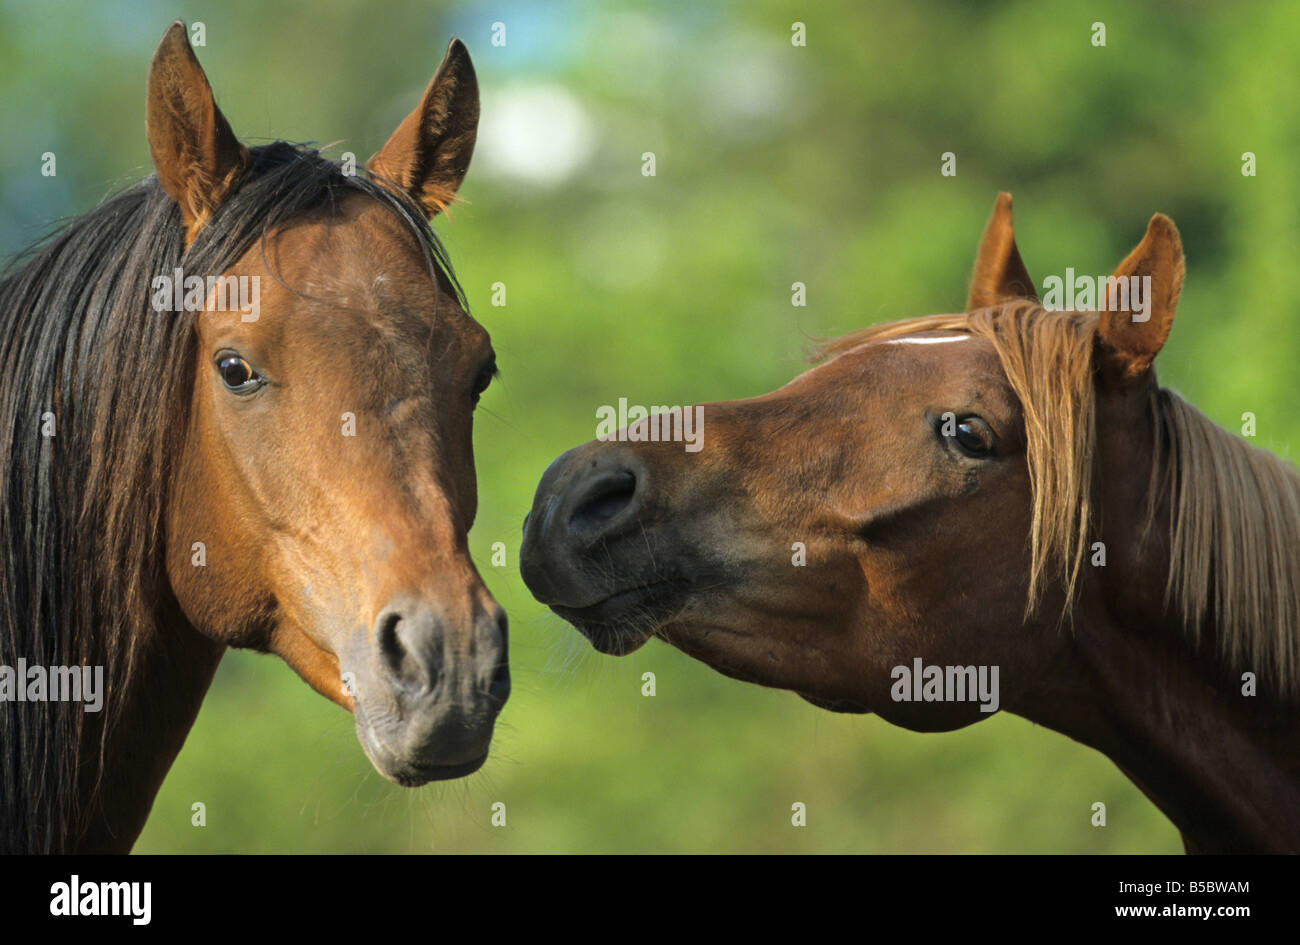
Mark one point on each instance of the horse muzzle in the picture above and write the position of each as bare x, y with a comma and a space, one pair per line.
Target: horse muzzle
593, 552
426, 698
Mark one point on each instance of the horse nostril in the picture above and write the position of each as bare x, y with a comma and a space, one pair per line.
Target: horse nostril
605, 498
500, 686
408, 647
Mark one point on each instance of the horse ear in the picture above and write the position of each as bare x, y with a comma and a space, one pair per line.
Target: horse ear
1000, 273
1131, 334
196, 155
428, 155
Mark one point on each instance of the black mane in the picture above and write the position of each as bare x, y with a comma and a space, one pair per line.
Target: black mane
82, 511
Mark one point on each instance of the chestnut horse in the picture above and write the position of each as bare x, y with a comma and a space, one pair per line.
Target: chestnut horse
292, 473
1006, 490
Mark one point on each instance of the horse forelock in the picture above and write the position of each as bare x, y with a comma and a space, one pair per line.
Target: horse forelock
1234, 510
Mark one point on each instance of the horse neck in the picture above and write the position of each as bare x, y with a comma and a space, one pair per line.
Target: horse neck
1129, 680
174, 668
1223, 766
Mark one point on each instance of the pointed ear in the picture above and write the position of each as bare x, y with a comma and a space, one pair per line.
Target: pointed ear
428, 154
1000, 273
196, 155
1133, 327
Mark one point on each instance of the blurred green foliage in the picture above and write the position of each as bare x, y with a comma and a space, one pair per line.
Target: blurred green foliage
775, 164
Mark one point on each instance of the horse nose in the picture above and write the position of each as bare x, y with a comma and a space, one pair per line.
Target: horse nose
415, 647
602, 502
499, 687
582, 499
409, 647
586, 497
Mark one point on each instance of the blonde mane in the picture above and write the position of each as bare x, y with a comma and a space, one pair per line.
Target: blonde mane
1234, 510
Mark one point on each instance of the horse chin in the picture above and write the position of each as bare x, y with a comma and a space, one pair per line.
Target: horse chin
408, 771
413, 777
623, 622
610, 639
617, 642
835, 705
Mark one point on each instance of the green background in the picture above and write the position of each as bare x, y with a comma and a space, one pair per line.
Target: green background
775, 164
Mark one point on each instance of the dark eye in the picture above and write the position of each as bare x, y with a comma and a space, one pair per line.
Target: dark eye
973, 436
237, 374
483, 379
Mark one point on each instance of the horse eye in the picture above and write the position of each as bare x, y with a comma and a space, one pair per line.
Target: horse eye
237, 374
974, 437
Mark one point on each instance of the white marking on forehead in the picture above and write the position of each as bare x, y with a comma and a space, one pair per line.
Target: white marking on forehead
926, 341
913, 340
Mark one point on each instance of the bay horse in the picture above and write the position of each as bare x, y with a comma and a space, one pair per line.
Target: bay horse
1007, 490
294, 476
